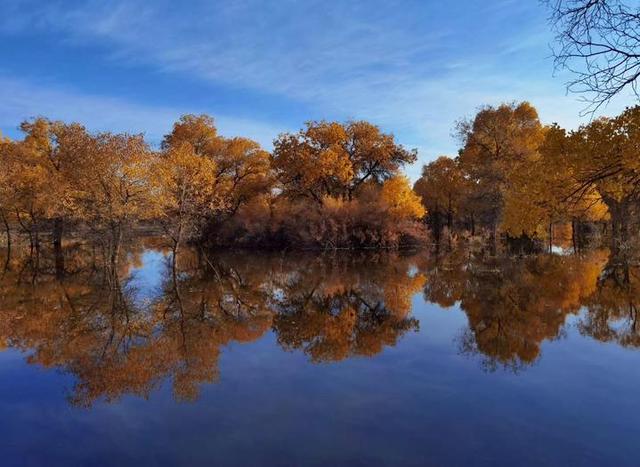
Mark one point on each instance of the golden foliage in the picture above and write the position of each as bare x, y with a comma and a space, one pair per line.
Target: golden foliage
332, 159
330, 185
184, 190
400, 200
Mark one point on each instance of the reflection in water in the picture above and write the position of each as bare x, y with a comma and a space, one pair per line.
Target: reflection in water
116, 336
612, 312
333, 309
512, 305
151, 321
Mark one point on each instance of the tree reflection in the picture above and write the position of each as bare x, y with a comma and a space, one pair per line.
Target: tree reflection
512, 305
203, 308
91, 322
612, 312
337, 308
94, 323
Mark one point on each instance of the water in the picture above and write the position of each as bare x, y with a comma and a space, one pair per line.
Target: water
345, 359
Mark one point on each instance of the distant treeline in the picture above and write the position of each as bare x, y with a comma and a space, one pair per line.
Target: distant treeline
330, 185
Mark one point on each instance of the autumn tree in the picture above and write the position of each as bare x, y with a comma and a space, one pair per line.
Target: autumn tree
242, 167
64, 163
184, 191
41, 146
341, 187
442, 188
334, 159
114, 189
6, 199
197, 130
535, 197
542, 192
244, 170
604, 154
48, 174
399, 200
40, 190
496, 142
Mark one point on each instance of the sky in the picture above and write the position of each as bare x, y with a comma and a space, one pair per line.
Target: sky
261, 68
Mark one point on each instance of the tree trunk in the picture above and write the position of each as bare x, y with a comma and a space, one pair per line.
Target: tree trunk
58, 228
494, 237
116, 239
28, 231
37, 243
177, 241
612, 206
449, 216
624, 222
7, 230
36, 238
619, 211
436, 224
30, 244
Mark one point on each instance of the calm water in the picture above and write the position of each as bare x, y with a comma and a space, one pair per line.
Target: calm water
245, 359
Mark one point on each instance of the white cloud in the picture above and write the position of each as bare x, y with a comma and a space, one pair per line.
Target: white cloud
413, 68
21, 100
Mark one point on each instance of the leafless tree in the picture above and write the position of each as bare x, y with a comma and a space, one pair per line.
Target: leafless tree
599, 41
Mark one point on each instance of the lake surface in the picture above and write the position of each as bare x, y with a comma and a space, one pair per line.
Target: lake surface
339, 359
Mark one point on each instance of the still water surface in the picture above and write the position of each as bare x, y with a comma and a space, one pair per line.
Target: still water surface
350, 359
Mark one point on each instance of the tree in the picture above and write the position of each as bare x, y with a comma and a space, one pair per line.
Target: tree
534, 197
495, 142
334, 159
541, 193
45, 172
6, 193
197, 130
39, 190
340, 187
243, 173
598, 41
400, 200
114, 189
604, 155
243, 169
184, 191
442, 188
64, 161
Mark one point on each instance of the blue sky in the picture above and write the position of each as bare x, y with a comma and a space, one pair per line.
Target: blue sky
261, 68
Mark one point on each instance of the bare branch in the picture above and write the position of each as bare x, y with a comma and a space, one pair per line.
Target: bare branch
599, 42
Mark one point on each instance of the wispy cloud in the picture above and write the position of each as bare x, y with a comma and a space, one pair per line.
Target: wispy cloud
22, 100
413, 67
